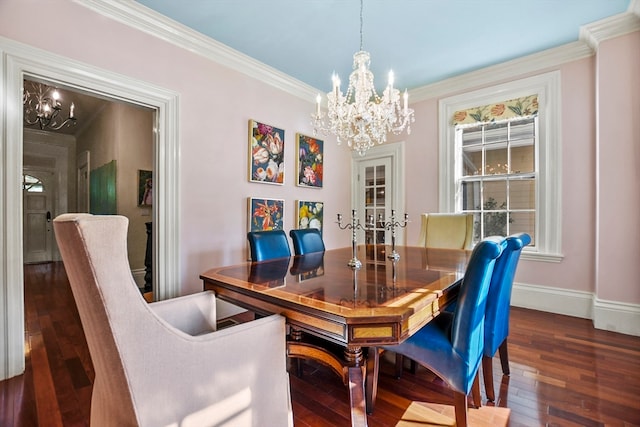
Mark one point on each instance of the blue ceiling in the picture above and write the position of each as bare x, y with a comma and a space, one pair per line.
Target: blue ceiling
422, 41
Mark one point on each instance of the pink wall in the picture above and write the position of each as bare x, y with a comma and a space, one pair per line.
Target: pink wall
216, 104
575, 271
618, 160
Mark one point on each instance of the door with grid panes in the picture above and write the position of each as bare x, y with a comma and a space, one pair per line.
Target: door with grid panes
375, 197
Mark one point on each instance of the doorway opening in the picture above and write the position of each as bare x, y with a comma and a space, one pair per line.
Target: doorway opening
378, 188
92, 164
20, 62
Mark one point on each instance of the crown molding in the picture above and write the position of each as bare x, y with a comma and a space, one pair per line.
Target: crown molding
614, 26
490, 75
590, 37
146, 20
634, 7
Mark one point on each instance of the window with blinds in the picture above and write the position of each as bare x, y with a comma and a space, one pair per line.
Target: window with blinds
497, 175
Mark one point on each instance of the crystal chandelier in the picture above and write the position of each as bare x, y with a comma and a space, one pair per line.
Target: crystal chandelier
361, 117
42, 106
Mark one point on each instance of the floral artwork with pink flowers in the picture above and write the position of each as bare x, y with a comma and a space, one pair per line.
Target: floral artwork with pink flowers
310, 160
266, 214
266, 153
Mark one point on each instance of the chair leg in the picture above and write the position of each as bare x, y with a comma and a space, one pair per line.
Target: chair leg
475, 391
504, 357
460, 404
399, 365
487, 373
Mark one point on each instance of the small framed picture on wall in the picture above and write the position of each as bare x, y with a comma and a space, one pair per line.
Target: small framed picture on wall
145, 188
310, 161
265, 214
266, 153
309, 214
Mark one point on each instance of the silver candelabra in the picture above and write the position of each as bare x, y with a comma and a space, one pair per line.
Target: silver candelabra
392, 224
355, 225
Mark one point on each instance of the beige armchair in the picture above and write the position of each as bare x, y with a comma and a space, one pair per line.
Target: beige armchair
446, 231
165, 364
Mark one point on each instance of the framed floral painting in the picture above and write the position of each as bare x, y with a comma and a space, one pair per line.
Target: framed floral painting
309, 214
310, 159
265, 214
266, 153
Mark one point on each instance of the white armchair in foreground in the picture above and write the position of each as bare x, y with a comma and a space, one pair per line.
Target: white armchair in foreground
165, 364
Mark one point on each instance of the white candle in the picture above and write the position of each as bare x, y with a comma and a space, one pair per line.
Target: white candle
71, 110
390, 80
406, 101
318, 100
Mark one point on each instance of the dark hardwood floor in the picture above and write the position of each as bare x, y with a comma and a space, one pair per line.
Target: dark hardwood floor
563, 372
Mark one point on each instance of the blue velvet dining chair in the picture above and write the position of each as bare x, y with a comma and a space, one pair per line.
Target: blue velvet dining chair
306, 240
451, 344
266, 245
496, 324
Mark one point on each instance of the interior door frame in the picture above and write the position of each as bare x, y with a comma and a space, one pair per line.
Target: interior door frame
395, 151
19, 61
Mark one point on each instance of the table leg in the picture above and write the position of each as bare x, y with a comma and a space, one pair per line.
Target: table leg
371, 381
351, 367
356, 370
296, 335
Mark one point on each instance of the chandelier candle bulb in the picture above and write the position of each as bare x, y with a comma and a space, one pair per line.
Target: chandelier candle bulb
405, 96
71, 107
390, 81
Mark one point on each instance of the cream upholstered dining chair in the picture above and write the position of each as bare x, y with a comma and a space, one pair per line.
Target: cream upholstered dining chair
164, 363
446, 231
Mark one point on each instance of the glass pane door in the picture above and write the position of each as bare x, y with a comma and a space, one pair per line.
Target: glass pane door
375, 187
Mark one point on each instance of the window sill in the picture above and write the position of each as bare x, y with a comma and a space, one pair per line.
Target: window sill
541, 257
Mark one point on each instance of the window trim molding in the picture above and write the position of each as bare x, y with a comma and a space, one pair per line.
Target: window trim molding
548, 154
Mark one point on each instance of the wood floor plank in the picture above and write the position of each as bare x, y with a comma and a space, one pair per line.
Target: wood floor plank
563, 372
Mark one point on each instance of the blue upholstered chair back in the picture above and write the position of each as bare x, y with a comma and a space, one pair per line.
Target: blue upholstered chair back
467, 328
266, 245
499, 298
306, 240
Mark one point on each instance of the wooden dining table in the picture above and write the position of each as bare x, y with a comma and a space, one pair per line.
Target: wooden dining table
334, 312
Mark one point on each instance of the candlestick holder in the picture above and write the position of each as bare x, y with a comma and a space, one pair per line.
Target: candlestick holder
392, 224
355, 225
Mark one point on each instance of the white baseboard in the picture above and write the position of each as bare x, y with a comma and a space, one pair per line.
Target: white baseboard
608, 315
138, 276
616, 316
